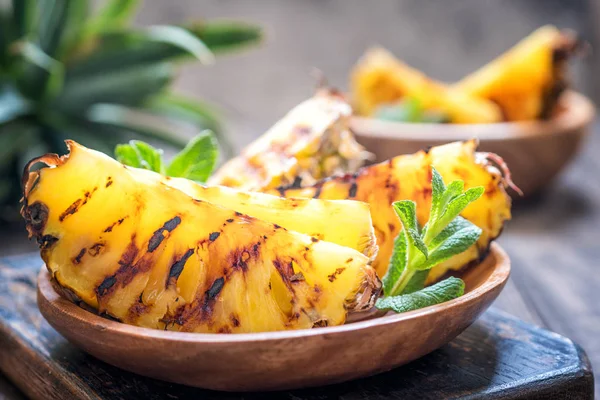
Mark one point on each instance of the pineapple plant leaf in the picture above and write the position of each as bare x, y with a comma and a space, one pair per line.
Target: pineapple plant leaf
67, 71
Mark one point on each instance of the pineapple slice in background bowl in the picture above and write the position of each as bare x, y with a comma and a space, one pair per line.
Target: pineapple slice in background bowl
518, 106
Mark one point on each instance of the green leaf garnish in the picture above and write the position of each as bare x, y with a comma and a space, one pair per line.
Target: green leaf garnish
140, 155
195, 162
448, 289
416, 251
406, 211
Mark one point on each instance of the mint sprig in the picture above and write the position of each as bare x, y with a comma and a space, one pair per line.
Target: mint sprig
196, 161
416, 250
443, 291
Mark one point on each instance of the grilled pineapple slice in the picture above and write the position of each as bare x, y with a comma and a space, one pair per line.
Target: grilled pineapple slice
146, 253
527, 80
409, 177
320, 219
380, 79
311, 142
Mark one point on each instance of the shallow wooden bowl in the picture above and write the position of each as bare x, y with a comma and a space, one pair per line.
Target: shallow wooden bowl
277, 360
534, 151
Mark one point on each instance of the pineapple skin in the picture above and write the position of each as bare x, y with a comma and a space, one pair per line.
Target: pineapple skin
379, 79
528, 79
130, 246
408, 177
344, 222
311, 142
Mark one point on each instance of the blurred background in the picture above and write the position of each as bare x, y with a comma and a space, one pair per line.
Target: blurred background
552, 239
252, 88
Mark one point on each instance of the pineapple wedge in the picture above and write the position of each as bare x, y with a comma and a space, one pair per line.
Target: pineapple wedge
527, 80
311, 142
320, 219
379, 79
130, 246
409, 177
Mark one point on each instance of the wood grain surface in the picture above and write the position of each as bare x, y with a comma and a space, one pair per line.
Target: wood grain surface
499, 357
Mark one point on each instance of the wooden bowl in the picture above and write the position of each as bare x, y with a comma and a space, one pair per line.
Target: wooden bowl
535, 151
277, 360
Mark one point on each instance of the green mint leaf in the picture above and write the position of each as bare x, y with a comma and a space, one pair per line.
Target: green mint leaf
441, 292
126, 154
140, 155
417, 282
457, 237
438, 189
150, 157
406, 211
408, 110
197, 160
397, 264
456, 205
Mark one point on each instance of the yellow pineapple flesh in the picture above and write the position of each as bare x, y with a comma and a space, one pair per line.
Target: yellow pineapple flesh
408, 177
528, 79
381, 79
344, 222
129, 245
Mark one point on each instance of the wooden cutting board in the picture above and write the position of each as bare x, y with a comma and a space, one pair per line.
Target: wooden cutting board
499, 357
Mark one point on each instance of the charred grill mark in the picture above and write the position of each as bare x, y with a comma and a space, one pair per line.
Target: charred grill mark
235, 320
76, 205
72, 209
297, 184
158, 235
125, 272
215, 288
108, 182
337, 272
238, 214
276, 226
230, 220
352, 190
319, 188
213, 236
224, 329
137, 310
106, 286
177, 268
110, 227
46, 241
281, 190
77, 258
96, 248
391, 227
36, 216
314, 239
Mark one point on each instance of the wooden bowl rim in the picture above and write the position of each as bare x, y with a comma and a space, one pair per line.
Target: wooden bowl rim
47, 294
579, 111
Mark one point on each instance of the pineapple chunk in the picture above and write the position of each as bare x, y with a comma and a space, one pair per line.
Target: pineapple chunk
381, 79
344, 222
311, 142
409, 177
527, 80
129, 245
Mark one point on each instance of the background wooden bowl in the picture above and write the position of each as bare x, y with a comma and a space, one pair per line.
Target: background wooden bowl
277, 360
535, 151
